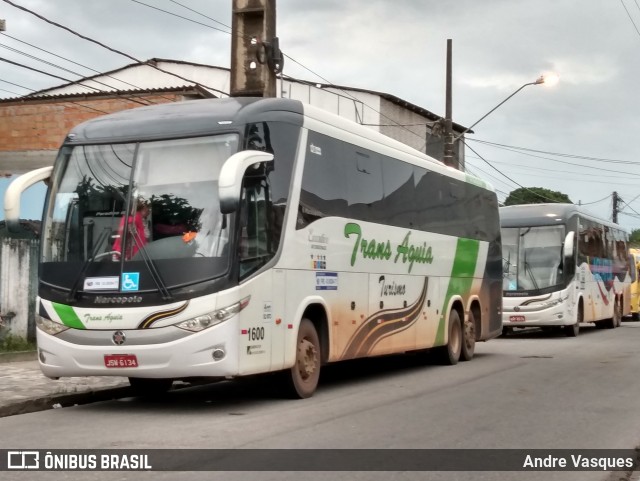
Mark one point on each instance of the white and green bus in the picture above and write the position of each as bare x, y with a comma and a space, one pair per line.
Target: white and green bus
275, 237
562, 267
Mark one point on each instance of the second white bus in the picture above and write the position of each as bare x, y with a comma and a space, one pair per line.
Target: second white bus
562, 267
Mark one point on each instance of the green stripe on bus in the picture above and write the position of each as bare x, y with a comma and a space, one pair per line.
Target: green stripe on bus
476, 181
462, 272
68, 316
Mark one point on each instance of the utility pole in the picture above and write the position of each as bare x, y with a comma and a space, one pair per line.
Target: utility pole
448, 158
616, 204
3, 25
255, 54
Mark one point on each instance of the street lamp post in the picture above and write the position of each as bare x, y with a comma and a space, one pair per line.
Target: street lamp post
540, 80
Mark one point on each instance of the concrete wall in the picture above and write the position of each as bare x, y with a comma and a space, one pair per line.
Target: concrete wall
18, 287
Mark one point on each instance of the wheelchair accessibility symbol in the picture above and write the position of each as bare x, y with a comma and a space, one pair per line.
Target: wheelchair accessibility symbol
130, 281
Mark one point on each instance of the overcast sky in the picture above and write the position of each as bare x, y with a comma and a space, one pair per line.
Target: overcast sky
585, 128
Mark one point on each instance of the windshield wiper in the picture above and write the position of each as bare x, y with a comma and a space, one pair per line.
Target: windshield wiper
151, 265
76, 284
527, 269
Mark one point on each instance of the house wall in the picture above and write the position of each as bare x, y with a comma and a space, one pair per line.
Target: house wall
31, 131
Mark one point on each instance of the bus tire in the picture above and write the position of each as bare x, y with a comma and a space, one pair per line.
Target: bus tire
449, 354
301, 380
150, 387
469, 338
614, 321
574, 330
617, 312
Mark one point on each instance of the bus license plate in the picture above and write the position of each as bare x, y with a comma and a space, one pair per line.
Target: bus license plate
516, 318
120, 360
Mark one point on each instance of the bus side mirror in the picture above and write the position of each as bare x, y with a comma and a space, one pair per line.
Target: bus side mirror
569, 245
568, 253
231, 174
14, 192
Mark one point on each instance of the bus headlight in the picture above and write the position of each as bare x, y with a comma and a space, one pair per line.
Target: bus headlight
49, 326
205, 321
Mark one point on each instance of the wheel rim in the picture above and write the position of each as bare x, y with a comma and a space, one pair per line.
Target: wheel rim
307, 359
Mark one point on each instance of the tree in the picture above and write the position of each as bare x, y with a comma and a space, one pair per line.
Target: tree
634, 238
536, 195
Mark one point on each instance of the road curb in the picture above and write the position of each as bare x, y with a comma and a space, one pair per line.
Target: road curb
18, 356
25, 406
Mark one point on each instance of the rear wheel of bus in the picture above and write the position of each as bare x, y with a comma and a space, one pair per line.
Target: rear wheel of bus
469, 337
450, 353
616, 320
301, 380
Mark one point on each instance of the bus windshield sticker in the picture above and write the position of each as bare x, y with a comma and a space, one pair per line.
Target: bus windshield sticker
326, 281
101, 283
130, 281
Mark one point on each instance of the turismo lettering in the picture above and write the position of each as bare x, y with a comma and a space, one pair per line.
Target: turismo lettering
391, 289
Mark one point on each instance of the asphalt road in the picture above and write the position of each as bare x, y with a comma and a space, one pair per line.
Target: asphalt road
530, 391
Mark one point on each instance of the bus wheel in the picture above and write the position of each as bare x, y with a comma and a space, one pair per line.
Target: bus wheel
469, 338
617, 313
303, 377
572, 331
450, 354
150, 387
614, 321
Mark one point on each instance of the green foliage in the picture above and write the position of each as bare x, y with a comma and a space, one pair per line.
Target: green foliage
536, 195
634, 238
170, 209
13, 343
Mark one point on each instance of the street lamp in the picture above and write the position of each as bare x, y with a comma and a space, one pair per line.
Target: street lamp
550, 79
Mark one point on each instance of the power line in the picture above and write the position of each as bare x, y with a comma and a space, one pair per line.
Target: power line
574, 173
10, 91
79, 64
329, 83
630, 18
70, 81
506, 176
74, 73
595, 201
185, 18
84, 37
557, 154
22, 87
566, 162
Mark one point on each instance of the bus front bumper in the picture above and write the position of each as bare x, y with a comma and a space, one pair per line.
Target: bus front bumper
96, 353
537, 316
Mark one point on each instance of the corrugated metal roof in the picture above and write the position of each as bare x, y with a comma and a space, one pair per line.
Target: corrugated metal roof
41, 94
193, 89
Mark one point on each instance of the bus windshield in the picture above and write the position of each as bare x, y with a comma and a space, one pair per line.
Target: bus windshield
138, 202
532, 257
